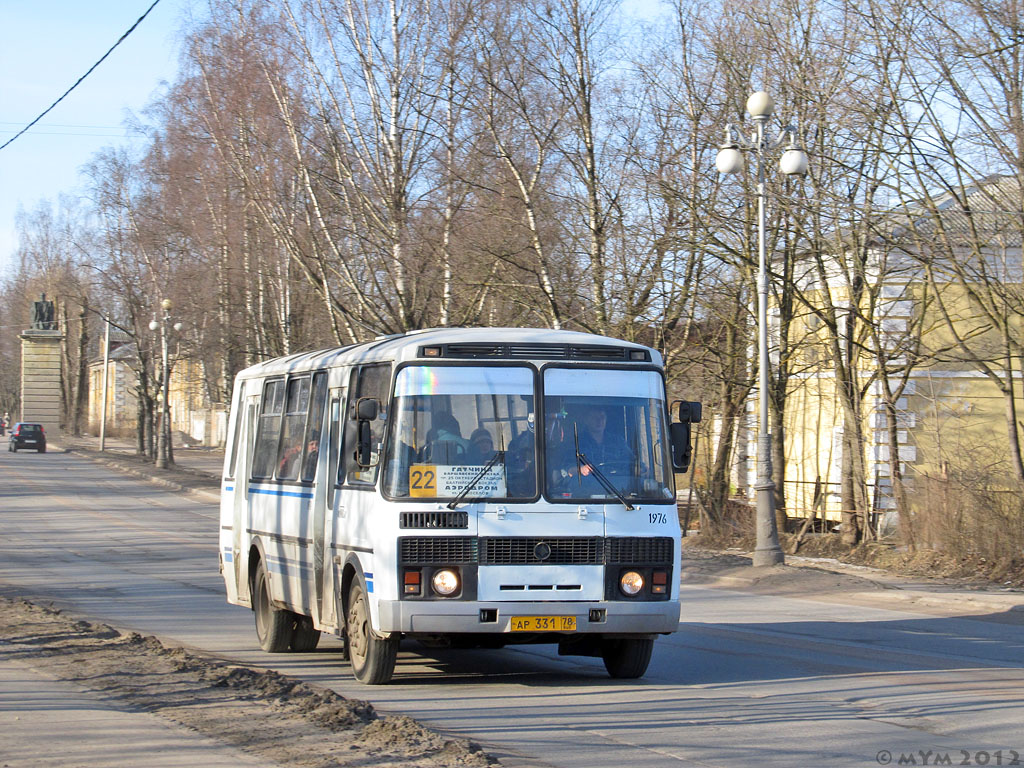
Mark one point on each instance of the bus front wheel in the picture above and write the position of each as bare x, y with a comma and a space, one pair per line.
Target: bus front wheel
627, 659
372, 657
273, 625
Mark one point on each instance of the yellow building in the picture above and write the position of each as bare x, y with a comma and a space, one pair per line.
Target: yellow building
939, 316
122, 402
194, 419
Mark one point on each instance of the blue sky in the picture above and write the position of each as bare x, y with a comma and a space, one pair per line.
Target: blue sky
44, 47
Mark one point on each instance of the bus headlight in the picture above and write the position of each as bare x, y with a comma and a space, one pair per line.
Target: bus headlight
445, 582
631, 583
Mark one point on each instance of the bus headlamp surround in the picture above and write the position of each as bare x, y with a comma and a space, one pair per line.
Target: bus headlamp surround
445, 582
631, 583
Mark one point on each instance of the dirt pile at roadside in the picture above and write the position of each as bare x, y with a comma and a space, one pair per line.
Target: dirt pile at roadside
923, 562
262, 712
896, 560
703, 566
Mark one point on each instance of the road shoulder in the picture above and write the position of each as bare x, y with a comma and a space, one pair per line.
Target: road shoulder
46, 721
113, 695
827, 580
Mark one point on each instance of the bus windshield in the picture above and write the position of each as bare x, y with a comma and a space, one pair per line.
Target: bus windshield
459, 427
605, 435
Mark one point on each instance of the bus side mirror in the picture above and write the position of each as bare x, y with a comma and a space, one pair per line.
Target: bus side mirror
690, 412
367, 409
679, 433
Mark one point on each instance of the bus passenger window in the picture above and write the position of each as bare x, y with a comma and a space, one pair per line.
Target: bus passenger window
269, 429
290, 452
313, 426
239, 412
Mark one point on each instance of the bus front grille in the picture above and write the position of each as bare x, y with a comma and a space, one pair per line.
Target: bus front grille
535, 550
541, 550
636, 550
437, 550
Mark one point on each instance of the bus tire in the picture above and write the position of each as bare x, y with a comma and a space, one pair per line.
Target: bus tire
627, 659
372, 657
305, 637
274, 626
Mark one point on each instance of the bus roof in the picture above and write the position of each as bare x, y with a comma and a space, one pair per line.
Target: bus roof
482, 344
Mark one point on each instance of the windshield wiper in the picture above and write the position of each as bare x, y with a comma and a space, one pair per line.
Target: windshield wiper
582, 461
476, 479
608, 486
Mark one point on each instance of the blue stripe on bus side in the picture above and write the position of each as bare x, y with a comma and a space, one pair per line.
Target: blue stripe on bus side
275, 492
369, 581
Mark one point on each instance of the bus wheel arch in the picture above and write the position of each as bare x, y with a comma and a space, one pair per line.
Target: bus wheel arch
371, 654
348, 574
248, 578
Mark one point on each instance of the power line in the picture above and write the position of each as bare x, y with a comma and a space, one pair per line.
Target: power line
122, 135
79, 80
64, 125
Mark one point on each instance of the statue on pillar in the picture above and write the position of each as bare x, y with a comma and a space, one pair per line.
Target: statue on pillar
42, 315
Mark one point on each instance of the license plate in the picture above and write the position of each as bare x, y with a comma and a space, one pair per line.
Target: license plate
29, 442
543, 624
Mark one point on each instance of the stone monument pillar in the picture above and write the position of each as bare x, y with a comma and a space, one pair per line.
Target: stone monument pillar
40, 370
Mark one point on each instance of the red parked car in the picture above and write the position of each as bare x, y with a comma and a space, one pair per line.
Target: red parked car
25, 435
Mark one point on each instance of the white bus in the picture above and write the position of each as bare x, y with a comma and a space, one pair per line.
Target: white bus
462, 487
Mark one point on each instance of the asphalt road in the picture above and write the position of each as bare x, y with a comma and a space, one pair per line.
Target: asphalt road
748, 679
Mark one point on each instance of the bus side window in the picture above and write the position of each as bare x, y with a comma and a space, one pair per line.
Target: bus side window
289, 454
368, 381
269, 429
334, 443
239, 413
314, 424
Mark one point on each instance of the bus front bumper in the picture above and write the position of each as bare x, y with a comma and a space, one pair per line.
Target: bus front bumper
454, 617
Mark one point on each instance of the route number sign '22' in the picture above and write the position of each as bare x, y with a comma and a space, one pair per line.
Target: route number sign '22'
446, 480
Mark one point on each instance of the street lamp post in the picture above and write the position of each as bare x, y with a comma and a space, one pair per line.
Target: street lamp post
793, 162
163, 440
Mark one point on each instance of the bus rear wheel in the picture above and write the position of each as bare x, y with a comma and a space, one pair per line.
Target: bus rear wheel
274, 626
372, 657
627, 659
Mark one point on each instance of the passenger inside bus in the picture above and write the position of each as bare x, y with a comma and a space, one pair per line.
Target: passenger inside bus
445, 443
481, 446
312, 454
586, 431
289, 463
